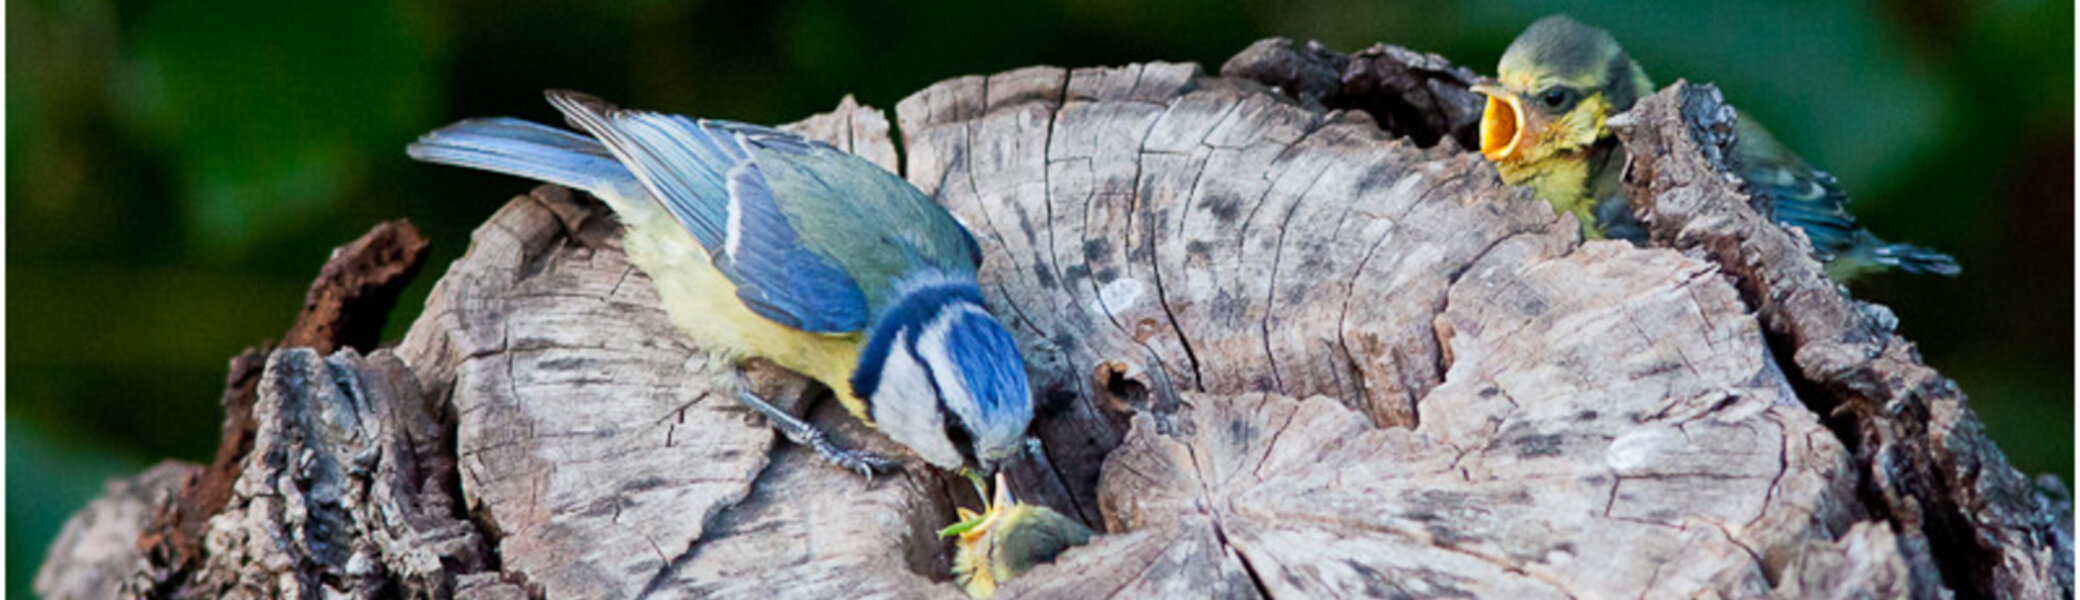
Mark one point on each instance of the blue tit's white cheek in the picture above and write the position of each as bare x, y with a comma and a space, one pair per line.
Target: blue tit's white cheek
906, 408
934, 348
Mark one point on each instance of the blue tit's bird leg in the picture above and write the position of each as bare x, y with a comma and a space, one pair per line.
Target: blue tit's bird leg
802, 433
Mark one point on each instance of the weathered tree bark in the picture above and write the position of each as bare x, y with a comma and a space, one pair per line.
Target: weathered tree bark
1289, 339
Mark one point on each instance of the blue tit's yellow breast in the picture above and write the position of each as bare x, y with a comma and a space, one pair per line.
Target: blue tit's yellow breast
703, 304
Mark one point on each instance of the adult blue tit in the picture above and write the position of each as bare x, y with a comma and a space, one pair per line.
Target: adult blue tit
765, 244
1544, 127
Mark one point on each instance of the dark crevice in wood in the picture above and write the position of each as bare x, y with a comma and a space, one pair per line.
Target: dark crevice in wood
1256, 580
1422, 97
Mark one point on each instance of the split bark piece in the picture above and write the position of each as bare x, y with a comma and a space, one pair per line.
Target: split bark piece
343, 493
345, 306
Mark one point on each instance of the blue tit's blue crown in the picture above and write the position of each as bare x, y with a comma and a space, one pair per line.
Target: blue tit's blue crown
982, 349
941, 375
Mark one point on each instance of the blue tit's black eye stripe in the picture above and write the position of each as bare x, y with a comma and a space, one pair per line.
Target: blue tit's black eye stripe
963, 441
931, 374
912, 314
949, 423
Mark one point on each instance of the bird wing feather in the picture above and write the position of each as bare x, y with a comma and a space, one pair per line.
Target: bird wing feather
705, 175
1793, 192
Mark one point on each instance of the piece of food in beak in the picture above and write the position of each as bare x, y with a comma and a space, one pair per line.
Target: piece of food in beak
1502, 124
1007, 540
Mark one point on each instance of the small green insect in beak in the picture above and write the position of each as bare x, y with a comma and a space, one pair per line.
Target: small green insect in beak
990, 507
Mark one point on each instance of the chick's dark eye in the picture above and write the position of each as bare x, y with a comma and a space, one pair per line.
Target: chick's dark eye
1557, 97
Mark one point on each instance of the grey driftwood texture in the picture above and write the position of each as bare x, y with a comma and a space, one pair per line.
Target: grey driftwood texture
1289, 340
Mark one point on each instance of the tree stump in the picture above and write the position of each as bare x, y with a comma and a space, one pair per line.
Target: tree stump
1288, 339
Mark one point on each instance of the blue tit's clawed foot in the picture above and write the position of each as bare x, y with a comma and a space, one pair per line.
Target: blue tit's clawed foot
801, 432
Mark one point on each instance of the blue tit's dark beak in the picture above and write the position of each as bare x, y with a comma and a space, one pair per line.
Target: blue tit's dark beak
990, 467
1004, 497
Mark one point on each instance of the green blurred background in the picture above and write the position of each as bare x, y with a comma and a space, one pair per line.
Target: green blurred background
178, 170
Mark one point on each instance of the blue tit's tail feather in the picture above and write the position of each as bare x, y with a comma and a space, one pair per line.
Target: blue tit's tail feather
527, 149
1908, 257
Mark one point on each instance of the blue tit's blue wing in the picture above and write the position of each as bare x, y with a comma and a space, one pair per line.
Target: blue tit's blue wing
778, 276
683, 166
1806, 199
704, 176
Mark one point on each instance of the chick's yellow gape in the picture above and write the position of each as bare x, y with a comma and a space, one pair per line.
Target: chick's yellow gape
764, 244
1544, 126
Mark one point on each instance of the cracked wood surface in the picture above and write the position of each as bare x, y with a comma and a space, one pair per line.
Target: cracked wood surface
1608, 426
1278, 351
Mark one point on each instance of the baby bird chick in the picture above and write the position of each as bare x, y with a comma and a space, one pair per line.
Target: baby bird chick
1007, 540
1544, 127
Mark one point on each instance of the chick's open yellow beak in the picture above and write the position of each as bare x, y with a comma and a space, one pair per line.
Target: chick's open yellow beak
1502, 124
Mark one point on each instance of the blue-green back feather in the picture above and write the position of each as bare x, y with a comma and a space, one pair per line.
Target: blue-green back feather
879, 227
